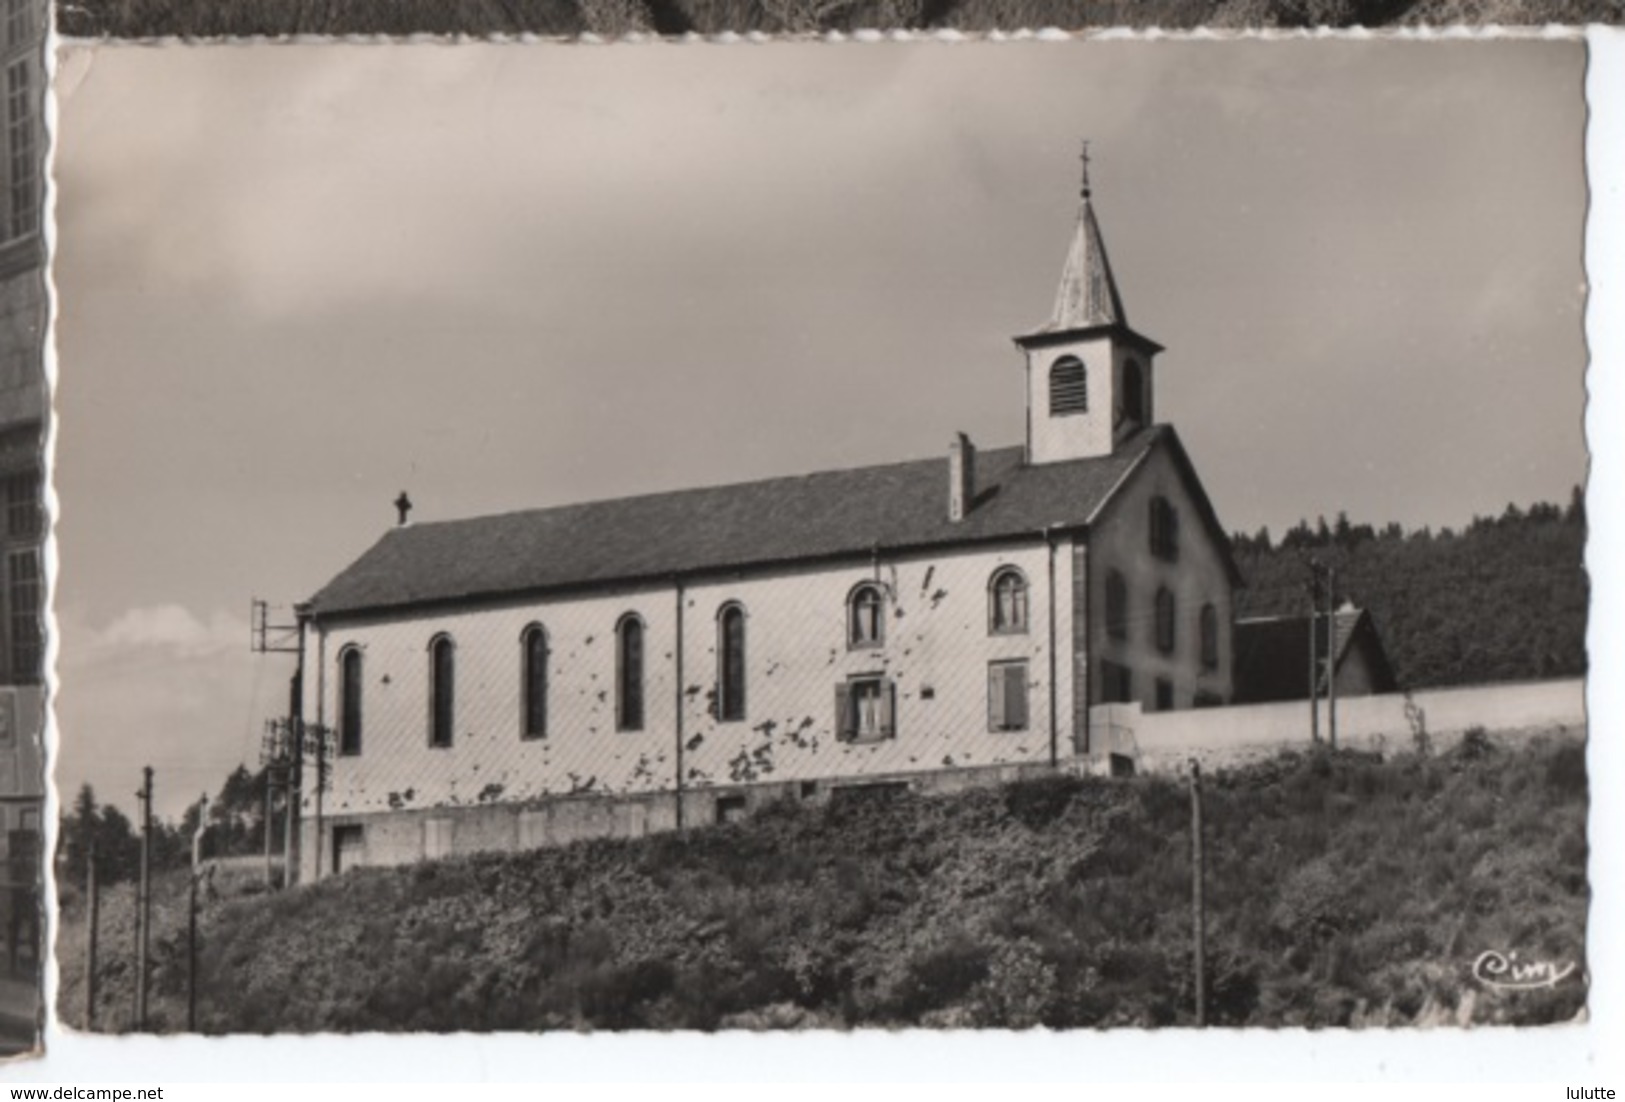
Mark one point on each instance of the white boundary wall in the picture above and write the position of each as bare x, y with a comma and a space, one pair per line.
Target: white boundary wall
1164, 741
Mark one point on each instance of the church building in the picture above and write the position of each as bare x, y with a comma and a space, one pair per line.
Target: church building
665, 661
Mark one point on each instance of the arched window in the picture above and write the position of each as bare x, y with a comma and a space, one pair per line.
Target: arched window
350, 701
1116, 605
1007, 602
533, 682
1165, 621
442, 690
1164, 530
865, 624
731, 662
1068, 387
1133, 392
1210, 637
629, 673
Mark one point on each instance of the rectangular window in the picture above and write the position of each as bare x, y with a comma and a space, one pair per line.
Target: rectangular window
19, 22
1165, 695
23, 512
1116, 683
730, 809
1007, 696
865, 708
23, 609
23, 214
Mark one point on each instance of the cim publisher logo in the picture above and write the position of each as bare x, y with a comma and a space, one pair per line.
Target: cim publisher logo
1505, 972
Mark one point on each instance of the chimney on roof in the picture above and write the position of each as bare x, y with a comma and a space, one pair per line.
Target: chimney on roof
961, 477
403, 505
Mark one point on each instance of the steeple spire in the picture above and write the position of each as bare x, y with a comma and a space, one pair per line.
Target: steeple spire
1088, 293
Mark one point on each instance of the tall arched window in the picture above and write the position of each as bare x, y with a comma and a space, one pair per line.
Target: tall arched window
533, 682
1133, 392
1165, 621
629, 673
731, 662
1007, 602
865, 626
350, 701
1210, 637
1116, 605
442, 690
1164, 523
1068, 387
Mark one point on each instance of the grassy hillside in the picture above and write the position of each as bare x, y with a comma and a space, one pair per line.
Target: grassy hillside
1342, 890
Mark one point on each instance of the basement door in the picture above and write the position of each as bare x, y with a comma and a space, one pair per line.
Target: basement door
348, 843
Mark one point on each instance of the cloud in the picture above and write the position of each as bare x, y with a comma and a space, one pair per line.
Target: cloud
171, 630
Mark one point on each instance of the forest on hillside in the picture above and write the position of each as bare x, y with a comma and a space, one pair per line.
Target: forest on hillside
1504, 599
143, 18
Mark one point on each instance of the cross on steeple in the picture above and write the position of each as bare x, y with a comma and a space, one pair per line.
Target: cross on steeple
1086, 168
403, 505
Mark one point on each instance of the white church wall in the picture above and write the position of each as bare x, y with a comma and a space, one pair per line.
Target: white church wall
586, 778
935, 651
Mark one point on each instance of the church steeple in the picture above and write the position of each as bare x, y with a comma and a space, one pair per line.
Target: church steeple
1088, 292
1088, 373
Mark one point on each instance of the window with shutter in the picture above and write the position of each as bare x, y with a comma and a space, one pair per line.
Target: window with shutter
1007, 696
867, 707
1210, 637
845, 728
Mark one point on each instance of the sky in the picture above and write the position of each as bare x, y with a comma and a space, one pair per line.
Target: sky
294, 281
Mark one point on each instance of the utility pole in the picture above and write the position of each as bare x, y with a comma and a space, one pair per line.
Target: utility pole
319, 743
191, 916
296, 767
285, 638
1331, 655
143, 909
270, 804
1313, 586
1198, 903
92, 918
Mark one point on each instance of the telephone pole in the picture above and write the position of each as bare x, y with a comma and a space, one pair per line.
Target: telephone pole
1198, 902
143, 908
1313, 588
1331, 655
286, 638
92, 919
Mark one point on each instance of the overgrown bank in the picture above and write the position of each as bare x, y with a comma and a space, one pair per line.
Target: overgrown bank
1341, 890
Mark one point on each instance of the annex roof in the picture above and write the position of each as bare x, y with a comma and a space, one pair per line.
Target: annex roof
830, 514
1272, 653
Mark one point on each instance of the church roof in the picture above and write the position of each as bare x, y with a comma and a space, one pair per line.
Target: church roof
1087, 296
828, 515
